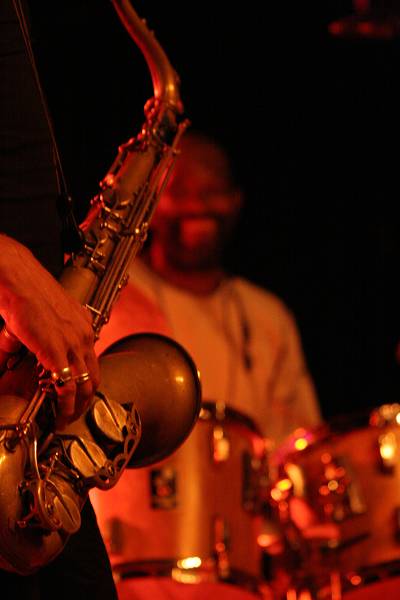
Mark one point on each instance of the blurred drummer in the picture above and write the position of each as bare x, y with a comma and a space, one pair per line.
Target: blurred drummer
243, 338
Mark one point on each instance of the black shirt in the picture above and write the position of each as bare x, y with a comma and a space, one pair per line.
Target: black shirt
28, 185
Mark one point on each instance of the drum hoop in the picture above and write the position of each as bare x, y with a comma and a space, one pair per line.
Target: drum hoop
340, 425
208, 412
165, 568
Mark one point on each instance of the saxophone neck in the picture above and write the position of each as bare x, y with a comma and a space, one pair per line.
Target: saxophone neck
164, 77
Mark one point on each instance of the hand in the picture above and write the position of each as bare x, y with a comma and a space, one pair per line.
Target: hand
51, 324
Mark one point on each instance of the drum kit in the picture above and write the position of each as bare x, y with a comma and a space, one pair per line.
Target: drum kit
226, 516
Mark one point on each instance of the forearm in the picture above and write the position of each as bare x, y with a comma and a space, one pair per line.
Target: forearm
45, 319
11, 255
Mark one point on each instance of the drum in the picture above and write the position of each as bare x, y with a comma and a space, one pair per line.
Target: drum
338, 487
195, 516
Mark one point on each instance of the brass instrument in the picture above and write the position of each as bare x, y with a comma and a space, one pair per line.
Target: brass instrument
149, 397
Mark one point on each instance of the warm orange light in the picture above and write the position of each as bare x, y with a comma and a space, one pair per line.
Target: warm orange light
355, 579
324, 490
283, 507
108, 180
300, 432
184, 576
326, 458
301, 443
284, 485
276, 494
387, 446
333, 485
191, 562
330, 471
387, 451
265, 539
218, 433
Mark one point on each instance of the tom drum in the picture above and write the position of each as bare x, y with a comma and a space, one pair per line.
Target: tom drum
195, 516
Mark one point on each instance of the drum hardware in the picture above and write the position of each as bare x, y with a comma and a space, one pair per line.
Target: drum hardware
386, 414
388, 451
163, 488
221, 547
339, 492
193, 569
220, 445
256, 482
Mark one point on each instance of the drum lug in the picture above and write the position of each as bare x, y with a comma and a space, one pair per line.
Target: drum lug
221, 447
255, 484
387, 444
221, 537
163, 488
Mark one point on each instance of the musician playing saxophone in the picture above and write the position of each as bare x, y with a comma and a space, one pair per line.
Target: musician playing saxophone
35, 309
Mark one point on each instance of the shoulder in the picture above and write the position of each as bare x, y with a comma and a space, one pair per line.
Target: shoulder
259, 299
267, 314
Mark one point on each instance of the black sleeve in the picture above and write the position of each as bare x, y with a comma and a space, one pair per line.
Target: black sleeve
28, 185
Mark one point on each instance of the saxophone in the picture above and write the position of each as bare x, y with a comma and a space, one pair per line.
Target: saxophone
149, 397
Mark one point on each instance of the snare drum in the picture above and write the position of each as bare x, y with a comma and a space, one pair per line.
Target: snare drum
346, 475
194, 516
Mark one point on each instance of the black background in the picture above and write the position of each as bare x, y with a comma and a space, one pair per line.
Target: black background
312, 123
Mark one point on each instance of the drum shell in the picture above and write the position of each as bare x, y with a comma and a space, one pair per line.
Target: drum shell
181, 507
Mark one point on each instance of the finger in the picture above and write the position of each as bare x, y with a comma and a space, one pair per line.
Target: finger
93, 368
87, 314
66, 403
64, 386
83, 387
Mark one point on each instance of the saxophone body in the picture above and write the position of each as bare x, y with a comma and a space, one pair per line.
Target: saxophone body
149, 396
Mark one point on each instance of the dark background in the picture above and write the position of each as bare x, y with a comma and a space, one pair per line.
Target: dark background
312, 123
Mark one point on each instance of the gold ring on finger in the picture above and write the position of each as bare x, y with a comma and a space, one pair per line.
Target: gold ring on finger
81, 378
62, 377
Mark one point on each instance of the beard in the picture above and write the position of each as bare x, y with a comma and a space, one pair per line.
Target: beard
194, 243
